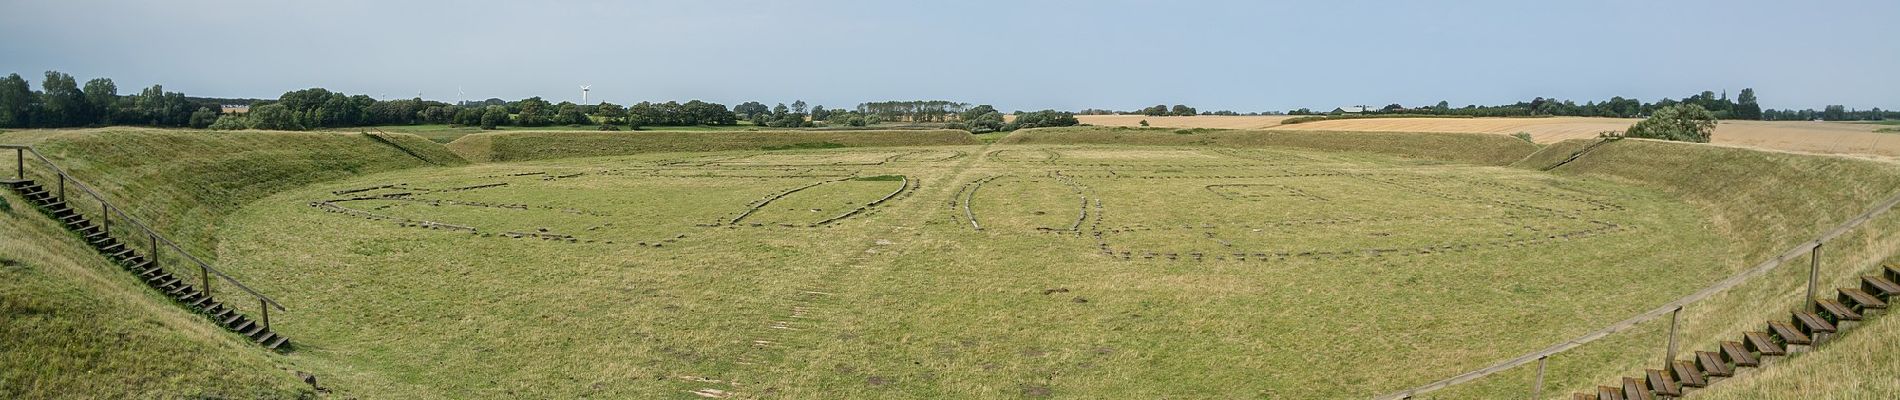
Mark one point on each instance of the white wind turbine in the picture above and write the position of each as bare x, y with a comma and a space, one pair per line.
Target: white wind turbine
584, 89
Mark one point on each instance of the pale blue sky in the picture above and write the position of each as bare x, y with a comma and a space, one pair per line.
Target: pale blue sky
1238, 55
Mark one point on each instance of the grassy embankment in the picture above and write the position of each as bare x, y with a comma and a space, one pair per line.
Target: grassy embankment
77, 326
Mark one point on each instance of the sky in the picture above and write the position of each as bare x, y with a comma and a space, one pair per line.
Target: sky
1017, 55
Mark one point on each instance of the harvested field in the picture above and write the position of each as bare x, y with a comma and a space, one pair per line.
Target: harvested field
1798, 136
1198, 121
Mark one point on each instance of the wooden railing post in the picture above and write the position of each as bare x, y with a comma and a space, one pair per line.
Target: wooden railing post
19, 161
1814, 270
105, 216
1674, 317
205, 275
266, 307
62, 187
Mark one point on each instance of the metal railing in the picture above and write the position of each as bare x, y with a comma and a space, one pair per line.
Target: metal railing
158, 242
1673, 310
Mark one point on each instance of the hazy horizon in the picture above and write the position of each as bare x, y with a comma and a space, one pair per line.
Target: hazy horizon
1123, 55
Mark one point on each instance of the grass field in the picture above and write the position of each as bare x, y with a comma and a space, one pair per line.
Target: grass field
1098, 270
1073, 263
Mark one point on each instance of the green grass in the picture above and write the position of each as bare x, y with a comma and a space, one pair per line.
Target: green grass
76, 326
1856, 365
649, 271
521, 146
918, 304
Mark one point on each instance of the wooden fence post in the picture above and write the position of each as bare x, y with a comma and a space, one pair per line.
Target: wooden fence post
266, 307
1674, 317
1814, 271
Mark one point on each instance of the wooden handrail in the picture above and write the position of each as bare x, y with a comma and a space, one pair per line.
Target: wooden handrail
1725, 284
128, 218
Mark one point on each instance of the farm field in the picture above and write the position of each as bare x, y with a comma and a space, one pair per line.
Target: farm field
1075, 271
1199, 121
1797, 136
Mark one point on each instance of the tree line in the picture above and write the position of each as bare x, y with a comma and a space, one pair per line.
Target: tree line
61, 102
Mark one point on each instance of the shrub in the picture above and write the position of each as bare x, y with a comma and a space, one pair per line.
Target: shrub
495, 116
1144, 123
231, 123
1682, 122
1525, 136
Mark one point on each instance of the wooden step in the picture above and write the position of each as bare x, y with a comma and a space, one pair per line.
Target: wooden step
1837, 311
1760, 342
1811, 323
1879, 286
1734, 353
1712, 364
274, 344
1609, 393
1659, 382
231, 320
242, 324
1861, 299
1634, 390
253, 331
1892, 272
1685, 373
1788, 333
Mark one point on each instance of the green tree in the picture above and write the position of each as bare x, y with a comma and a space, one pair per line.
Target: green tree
1181, 110
64, 103
494, 117
1834, 113
103, 96
570, 114
535, 112
275, 116
751, 109
203, 118
1683, 122
1746, 106
988, 122
16, 102
977, 111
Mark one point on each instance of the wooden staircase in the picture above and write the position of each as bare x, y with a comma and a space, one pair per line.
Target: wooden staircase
180, 289
1803, 330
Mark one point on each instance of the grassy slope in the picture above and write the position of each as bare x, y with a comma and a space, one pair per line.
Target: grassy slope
185, 182
520, 146
77, 327
1857, 365
1464, 148
74, 313
1765, 202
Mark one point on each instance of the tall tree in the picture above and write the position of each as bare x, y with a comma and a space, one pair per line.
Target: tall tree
65, 105
1745, 105
16, 102
103, 96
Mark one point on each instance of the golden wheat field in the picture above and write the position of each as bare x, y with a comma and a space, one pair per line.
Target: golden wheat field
1798, 136
1199, 121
